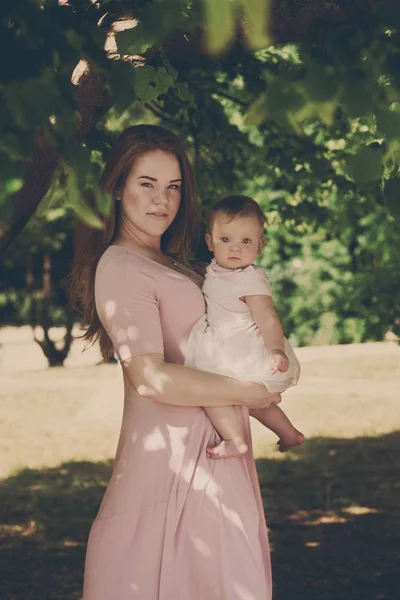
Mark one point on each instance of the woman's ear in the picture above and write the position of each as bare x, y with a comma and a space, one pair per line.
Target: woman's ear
209, 242
261, 244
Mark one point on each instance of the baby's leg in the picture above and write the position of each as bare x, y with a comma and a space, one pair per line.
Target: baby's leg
226, 421
275, 419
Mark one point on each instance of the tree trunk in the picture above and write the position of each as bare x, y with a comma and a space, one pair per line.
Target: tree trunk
55, 356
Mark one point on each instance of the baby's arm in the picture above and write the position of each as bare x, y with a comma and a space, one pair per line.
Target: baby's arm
265, 316
226, 421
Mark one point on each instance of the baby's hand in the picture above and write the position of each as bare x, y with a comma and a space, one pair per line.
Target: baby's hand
280, 362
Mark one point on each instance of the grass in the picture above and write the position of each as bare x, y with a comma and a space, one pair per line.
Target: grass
332, 506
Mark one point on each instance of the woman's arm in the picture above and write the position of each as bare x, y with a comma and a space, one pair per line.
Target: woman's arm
264, 314
176, 384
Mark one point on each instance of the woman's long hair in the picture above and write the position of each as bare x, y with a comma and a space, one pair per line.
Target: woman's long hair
179, 241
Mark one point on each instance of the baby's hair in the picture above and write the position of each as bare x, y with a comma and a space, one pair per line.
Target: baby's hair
236, 205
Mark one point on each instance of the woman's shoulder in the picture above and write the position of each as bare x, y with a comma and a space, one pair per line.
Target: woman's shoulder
119, 264
119, 257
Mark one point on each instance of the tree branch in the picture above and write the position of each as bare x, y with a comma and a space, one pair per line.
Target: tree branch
156, 110
93, 102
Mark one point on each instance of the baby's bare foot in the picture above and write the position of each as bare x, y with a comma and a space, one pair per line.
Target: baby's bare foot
290, 440
228, 449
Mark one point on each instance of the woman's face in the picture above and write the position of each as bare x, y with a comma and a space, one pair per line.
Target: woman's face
151, 195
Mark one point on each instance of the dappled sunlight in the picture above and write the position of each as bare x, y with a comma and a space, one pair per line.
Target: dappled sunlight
202, 547
110, 308
155, 378
325, 519
360, 510
312, 544
177, 439
131, 333
242, 592
72, 544
154, 440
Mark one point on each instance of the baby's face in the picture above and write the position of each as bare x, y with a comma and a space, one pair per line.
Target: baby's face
236, 242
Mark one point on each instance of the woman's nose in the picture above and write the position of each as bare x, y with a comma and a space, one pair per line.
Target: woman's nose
160, 198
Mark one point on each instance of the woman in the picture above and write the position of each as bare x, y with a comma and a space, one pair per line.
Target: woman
173, 523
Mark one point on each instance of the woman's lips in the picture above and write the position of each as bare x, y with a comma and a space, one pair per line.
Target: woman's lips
158, 216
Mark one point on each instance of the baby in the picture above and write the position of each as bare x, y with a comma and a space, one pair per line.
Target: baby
241, 335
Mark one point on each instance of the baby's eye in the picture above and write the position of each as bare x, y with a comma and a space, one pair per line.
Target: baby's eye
224, 239
246, 241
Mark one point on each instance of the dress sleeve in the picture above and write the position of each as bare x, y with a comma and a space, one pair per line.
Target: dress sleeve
127, 305
251, 282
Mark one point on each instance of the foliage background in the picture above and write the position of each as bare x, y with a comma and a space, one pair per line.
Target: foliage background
309, 126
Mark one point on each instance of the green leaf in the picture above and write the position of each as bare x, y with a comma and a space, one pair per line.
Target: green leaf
170, 68
14, 185
392, 196
283, 96
103, 201
257, 15
321, 82
150, 83
17, 146
366, 165
256, 113
358, 99
144, 83
388, 122
163, 80
78, 157
325, 111
134, 41
78, 204
121, 79
34, 100
220, 24
184, 93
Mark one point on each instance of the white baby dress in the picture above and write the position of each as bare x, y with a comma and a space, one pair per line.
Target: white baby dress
226, 340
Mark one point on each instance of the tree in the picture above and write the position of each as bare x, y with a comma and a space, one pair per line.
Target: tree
67, 71
304, 125
33, 290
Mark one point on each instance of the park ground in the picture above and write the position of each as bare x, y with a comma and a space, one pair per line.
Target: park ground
332, 506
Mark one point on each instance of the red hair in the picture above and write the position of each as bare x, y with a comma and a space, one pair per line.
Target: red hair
179, 241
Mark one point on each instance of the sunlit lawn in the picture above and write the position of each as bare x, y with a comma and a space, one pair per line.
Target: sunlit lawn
333, 506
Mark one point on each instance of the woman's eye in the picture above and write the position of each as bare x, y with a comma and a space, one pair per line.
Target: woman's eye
174, 187
146, 184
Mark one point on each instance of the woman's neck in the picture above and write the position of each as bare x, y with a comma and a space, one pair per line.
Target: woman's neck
138, 240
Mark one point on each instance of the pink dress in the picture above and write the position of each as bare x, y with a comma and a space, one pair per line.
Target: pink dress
227, 340
173, 524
